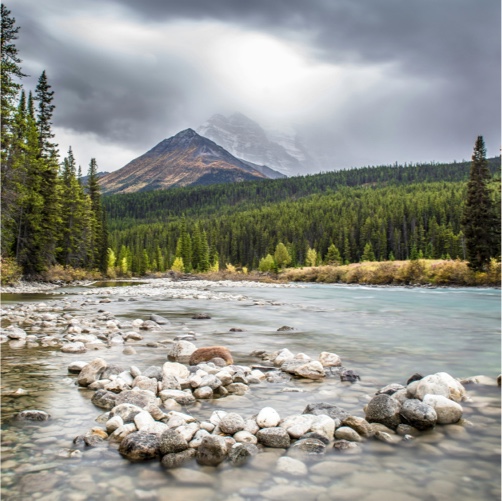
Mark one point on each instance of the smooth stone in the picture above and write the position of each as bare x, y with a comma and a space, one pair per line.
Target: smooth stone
158, 319
32, 415
113, 423
448, 411
237, 388
347, 433
282, 356
179, 371
143, 420
77, 347
104, 399
122, 432
145, 383
328, 359
189, 476
308, 446
181, 397
360, 425
91, 372
76, 367
291, 466
181, 351
297, 425
276, 437
310, 370
141, 398
232, 423
292, 492
333, 411
323, 425
127, 412
245, 437
440, 383
268, 418
203, 393
240, 453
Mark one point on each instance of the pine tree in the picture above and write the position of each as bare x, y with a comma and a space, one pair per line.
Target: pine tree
368, 254
479, 217
204, 263
196, 248
98, 235
333, 255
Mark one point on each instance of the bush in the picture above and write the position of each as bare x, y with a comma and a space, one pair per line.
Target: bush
59, 273
10, 271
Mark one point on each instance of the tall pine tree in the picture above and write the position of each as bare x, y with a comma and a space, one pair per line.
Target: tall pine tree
479, 220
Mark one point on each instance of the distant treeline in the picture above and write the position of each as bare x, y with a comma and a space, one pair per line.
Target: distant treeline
389, 212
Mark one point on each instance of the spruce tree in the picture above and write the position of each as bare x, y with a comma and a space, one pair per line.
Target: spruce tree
479, 220
333, 255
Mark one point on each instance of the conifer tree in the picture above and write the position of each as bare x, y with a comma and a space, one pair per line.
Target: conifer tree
368, 254
479, 220
333, 255
204, 263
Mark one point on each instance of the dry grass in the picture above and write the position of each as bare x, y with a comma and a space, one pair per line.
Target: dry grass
416, 272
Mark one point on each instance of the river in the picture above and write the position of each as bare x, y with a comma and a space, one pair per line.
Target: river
385, 334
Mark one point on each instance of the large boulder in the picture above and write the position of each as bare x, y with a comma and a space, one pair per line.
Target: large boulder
385, 410
208, 353
140, 445
91, 372
440, 383
448, 411
212, 451
417, 414
181, 351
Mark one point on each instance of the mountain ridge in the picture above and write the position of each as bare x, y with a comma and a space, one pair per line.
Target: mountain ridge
185, 159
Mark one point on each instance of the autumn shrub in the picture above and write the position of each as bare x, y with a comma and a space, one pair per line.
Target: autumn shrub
413, 272
493, 275
384, 273
10, 271
331, 274
450, 272
59, 273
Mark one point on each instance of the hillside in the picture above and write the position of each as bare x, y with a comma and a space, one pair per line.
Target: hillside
186, 159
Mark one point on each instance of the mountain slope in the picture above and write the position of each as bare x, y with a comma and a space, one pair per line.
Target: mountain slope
246, 139
186, 159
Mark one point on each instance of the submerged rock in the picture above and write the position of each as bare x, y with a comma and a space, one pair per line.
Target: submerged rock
212, 451
139, 446
241, 453
177, 459
32, 415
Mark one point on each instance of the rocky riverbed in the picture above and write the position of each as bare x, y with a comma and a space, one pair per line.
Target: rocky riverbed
265, 424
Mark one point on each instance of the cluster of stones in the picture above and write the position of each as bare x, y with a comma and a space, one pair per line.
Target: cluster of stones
33, 325
420, 405
302, 365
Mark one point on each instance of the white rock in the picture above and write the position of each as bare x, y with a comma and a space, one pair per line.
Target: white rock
143, 419
297, 425
268, 418
347, 433
113, 423
188, 431
156, 428
282, 356
291, 466
328, 359
245, 437
181, 351
216, 417
440, 383
258, 374
302, 356
137, 323
15, 332
310, 370
251, 426
448, 411
74, 348
324, 425
179, 371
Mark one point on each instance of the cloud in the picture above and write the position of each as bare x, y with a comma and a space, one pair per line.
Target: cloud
366, 82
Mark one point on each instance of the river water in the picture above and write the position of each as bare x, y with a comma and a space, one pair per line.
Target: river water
384, 334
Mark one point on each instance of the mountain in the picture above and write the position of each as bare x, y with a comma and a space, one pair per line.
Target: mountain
186, 159
83, 179
244, 138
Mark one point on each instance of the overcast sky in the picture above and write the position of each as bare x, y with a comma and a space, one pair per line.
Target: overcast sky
366, 82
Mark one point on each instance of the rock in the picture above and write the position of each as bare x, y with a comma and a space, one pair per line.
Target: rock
76, 367
419, 415
159, 319
156, 427
291, 466
347, 433
499, 379
177, 459
330, 359
181, 397
390, 389
245, 437
282, 356
145, 383
251, 426
188, 431
232, 423
405, 429
141, 398
113, 423
297, 425
91, 372
216, 418
32, 415
203, 393
310, 370
358, 424
349, 375
387, 438
333, 411
181, 351
148, 325
448, 411
323, 425
154, 371
122, 432
140, 445
268, 418
212, 451
212, 381
315, 436
201, 316
344, 445
308, 446
176, 370
210, 352
440, 383
115, 386
77, 347
415, 377
143, 420
171, 441
274, 437
236, 329
285, 328
290, 366
170, 382
236, 388
240, 453
383, 409
15, 332
126, 412
104, 399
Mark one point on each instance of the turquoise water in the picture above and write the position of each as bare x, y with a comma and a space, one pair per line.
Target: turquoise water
384, 334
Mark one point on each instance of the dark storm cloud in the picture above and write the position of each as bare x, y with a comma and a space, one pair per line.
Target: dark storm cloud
451, 47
